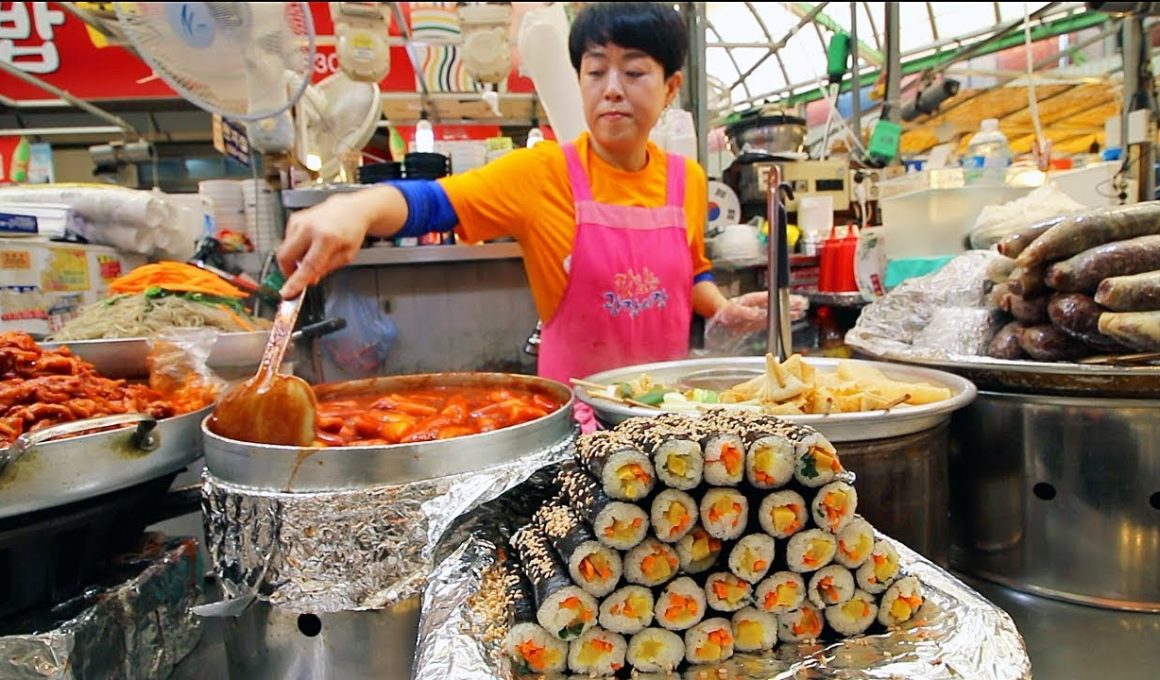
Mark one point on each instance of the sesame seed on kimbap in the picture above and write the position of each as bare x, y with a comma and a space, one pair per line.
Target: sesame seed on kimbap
782, 592
724, 513
533, 650
673, 515
724, 459
754, 630
830, 585
803, 624
783, 513
656, 650
810, 550
681, 605
651, 563
597, 652
698, 551
769, 462
877, 573
709, 641
834, 505
752, 556
725, 592
625, 472
855, 543
854, 616
627, 610
900, 602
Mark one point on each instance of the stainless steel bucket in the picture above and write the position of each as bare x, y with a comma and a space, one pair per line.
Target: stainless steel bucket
1059, 497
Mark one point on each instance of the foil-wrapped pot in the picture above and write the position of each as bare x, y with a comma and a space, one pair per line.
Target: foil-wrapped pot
137, 629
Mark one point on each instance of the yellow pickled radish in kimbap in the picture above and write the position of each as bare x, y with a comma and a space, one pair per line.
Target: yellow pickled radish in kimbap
627, 610
854, 616
698, 551
533, 650
855, 543
782, 514
709, 641
625, 472
754, 630
724, 513
673, 515
681, 604
834, 506
752, 556
782, 592
900, 602
830, 585
878, 572
597, 652
769, 462
803, 624
655, 650
810, 550
679, 463
724, 459
651, 563
616, 524
725, 592
594, 567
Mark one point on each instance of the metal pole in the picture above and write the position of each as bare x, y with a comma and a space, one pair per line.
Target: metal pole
698, 78
1137, 97
893, 99
855, 71
79, 103
779, 340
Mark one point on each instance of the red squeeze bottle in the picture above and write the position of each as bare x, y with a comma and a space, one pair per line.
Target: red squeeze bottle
845, 281
827, 264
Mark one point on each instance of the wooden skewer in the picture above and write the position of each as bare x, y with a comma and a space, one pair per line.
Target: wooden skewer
895, 402
634, 402
1140, 358
589, 385
605, 397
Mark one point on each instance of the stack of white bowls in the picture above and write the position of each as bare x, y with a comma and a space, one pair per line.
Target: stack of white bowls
227, 203
261, 215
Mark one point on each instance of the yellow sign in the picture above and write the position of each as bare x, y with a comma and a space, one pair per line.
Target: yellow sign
15, 259
68, 270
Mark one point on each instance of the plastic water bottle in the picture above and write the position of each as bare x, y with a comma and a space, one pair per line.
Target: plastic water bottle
988, 156
424, 136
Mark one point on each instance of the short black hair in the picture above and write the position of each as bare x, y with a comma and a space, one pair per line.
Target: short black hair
654, 28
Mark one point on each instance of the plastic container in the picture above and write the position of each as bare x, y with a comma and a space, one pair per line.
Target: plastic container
988, 156
426, 166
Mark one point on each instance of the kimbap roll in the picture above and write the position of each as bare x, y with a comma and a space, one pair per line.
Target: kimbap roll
616, 524
724, 513
782, 592
877, 573
625, 472
752, 556
834, 505
655, 650
754, 630
769, 462
810, 550
725, 592
651, 563
698, 551
681, 604
679, 463
724, 459
803, 624
597, 652
562, 608
594, 567
673, 514
900, 602
783, 513
709, 641
830, 585
533, 650
627, 610
854, 616
817, 460
855, 543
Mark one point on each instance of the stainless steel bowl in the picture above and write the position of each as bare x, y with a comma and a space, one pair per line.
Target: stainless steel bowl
771, 134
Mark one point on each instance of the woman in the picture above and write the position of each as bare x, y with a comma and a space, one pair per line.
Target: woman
612, 229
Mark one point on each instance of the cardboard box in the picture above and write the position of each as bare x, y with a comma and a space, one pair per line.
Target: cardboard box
44, 284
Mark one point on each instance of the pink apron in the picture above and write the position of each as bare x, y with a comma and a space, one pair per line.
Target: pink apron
630, 286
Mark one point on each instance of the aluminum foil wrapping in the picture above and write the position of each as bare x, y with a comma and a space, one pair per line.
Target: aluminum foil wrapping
943, 315
138, 629
349, 550
957, 634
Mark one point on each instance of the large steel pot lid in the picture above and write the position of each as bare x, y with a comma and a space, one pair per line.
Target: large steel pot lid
722, 372
290, 468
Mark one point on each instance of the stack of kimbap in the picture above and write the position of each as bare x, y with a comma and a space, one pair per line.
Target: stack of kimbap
678, 540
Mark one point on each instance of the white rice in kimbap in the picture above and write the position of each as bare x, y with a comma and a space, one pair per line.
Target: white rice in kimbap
752, 556
673, 515
724, 459
698, 551
834, 505
679, 463
726, 593
655, 650
595, 568
782, 592
681, 604
533, 650
854, 616
621, 525
627, 610
855, 543
597, 652
783, 513
709, 641
900, 602
769, 462
567, 613
830, 585
803, 624
724, 513
877, 573
810, 550
651, 563
754, 630
817, 462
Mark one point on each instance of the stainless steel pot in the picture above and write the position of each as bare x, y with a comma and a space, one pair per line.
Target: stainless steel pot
1059, 497
41, 470
769, 133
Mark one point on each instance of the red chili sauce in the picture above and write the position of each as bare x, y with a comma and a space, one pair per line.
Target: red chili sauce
425, 414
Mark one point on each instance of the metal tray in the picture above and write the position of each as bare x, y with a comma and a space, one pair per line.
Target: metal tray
723, 372
48, 471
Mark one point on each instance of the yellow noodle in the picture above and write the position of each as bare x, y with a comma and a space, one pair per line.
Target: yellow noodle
135, 316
